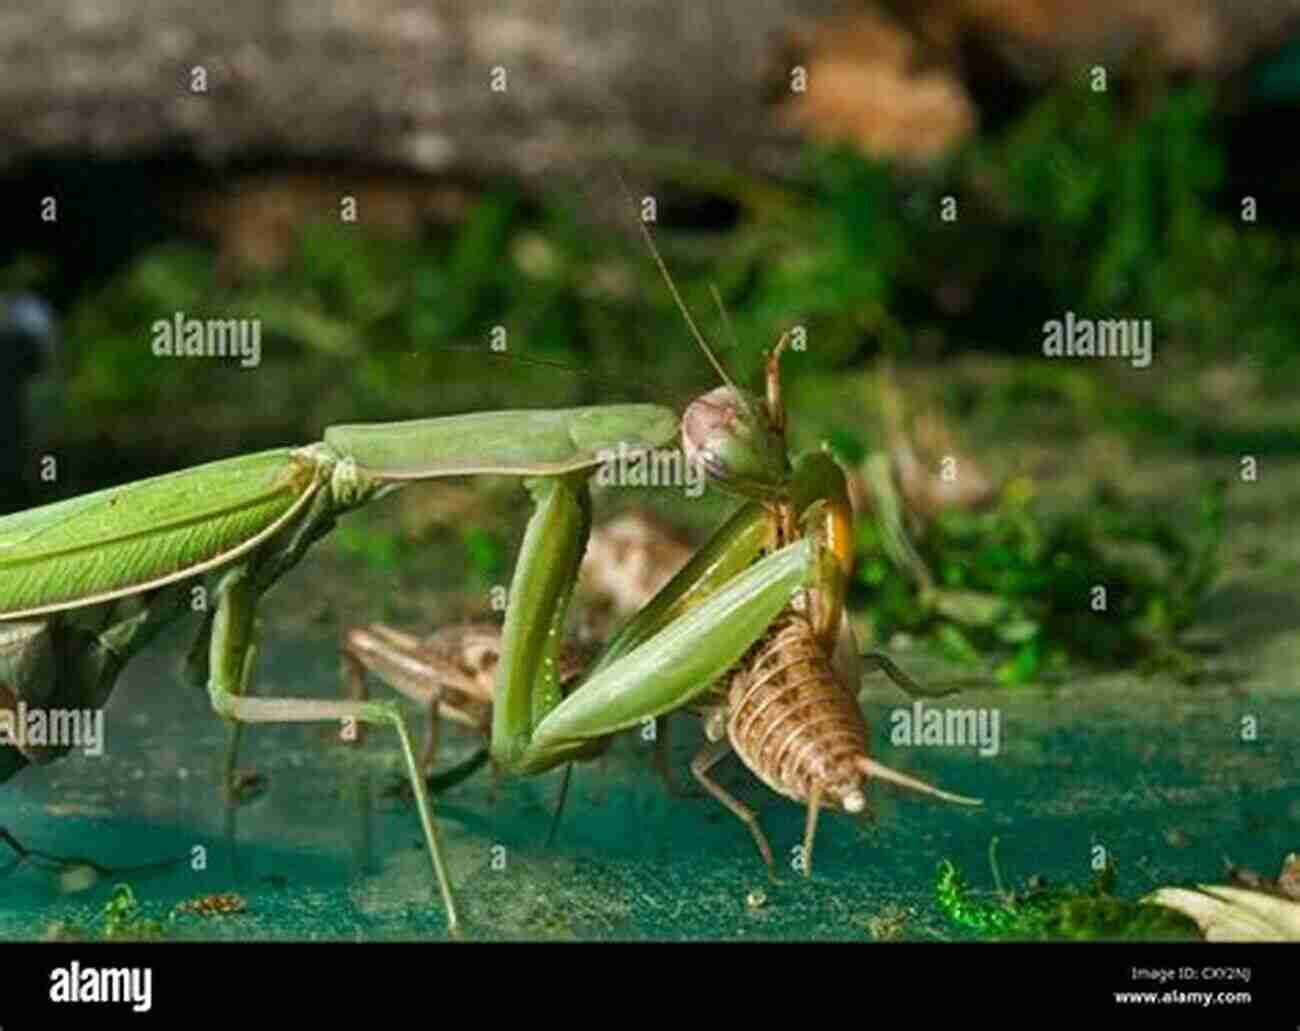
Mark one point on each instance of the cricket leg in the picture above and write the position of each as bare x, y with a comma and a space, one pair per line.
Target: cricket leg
560, 800
706, 759
422, 674
878, 661
662, 760
810, 828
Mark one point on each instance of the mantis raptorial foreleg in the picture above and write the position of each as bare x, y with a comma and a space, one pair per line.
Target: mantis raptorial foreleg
452, 673
535, 726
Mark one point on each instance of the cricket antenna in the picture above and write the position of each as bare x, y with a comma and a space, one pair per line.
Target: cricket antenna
681, 304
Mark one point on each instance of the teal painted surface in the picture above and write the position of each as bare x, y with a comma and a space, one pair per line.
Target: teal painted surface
1163, 784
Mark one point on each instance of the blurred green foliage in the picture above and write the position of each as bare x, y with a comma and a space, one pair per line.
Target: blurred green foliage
1084, 203
1022, 585
1087, 206
1081, 204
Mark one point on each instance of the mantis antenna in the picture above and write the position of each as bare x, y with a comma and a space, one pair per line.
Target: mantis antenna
681, 304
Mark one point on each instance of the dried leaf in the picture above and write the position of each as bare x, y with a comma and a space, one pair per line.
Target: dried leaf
1234, 914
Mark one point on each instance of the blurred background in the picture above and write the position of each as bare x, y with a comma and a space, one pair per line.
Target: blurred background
920, 186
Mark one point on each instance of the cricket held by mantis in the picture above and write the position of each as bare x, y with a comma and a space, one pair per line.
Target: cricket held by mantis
751, 634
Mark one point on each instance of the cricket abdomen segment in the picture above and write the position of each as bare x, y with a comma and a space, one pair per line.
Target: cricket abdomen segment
792, 723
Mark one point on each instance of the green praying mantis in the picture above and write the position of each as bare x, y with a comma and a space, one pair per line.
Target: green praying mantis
235, 527
239, 525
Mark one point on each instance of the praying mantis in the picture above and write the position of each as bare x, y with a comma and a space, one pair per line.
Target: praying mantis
231, 529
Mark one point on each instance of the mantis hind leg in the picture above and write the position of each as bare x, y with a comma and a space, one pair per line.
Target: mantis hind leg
241, 785
229, 666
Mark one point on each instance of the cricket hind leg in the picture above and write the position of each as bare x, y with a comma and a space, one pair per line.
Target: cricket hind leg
560, 800
708, 757
662, 759
875, 661
426, 673
810, 829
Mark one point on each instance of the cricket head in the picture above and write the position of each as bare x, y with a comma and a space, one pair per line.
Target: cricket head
734, 439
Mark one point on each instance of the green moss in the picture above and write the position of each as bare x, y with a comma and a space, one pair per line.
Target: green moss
1068, 913
124, 920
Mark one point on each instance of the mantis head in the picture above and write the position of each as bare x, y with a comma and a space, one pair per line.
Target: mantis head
738, 445
738, 439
